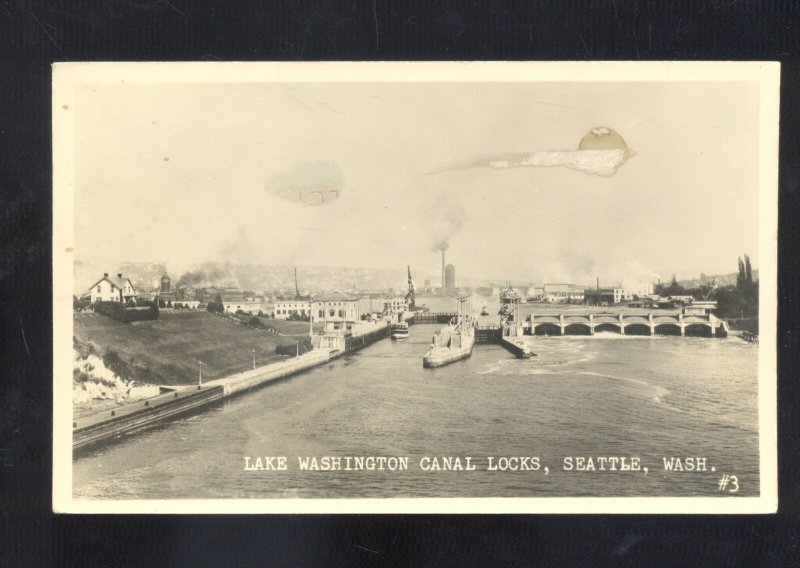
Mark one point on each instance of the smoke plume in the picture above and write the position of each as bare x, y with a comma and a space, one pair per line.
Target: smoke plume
194, 277
239, 249
449, 217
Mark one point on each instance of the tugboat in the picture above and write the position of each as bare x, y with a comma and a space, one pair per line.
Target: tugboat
400, 330
453, 342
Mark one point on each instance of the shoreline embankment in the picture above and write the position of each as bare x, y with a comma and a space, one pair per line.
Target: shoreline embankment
93, 429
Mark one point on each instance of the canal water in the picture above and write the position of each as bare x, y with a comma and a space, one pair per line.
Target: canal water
607, 395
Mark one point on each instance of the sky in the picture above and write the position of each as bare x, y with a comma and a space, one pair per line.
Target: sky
188, 173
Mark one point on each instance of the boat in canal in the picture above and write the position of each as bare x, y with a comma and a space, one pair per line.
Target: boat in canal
510, 296
453, 342
400, 330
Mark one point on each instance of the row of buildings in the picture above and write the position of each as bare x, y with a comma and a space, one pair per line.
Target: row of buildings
334, 305
121, 289
325, 307
556, 293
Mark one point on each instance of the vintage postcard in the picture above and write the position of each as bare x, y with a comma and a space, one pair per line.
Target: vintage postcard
415, 287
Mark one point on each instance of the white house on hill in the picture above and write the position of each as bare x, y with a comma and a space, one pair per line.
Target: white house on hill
113, 289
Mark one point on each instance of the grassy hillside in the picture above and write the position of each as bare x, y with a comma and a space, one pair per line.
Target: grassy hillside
166, 351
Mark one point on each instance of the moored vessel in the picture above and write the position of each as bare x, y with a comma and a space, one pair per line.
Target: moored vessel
453, 342
509, 296
400, 330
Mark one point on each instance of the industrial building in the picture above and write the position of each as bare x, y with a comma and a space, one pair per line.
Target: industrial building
336, 308
381, 305
575, 295
700, 308
603, 296
165, 293
286, 308
449, 279
556, 293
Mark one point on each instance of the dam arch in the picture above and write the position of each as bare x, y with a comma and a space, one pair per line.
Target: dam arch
698, 330
668, 329
637, 329
547, 328
577, 328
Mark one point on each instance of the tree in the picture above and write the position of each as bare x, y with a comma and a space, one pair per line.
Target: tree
216, 306
741, 300
673, 289
729, 302
741, 277
748, 271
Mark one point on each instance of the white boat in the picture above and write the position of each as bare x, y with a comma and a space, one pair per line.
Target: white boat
400, 330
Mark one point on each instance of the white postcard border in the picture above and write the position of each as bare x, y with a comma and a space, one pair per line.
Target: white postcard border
66, 76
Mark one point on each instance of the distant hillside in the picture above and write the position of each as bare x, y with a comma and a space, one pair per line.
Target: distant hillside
254, 277
166, 351
274, 278
717, 279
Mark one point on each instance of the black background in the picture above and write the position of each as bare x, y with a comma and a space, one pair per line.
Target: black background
33, 34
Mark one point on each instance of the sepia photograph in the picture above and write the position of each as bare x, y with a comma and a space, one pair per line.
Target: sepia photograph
415, 287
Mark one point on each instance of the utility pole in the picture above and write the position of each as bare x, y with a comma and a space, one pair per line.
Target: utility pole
254, 359
200, 376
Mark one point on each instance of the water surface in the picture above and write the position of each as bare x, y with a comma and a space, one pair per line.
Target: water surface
606, 395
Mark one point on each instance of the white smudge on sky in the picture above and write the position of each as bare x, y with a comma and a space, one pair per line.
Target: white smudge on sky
594, 162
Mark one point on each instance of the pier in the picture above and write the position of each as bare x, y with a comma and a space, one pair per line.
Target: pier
512, 339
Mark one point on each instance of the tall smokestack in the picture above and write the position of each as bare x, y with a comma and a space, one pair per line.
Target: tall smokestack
598, 282
443, 269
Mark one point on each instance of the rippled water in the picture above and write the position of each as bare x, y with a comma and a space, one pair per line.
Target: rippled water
606, 395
